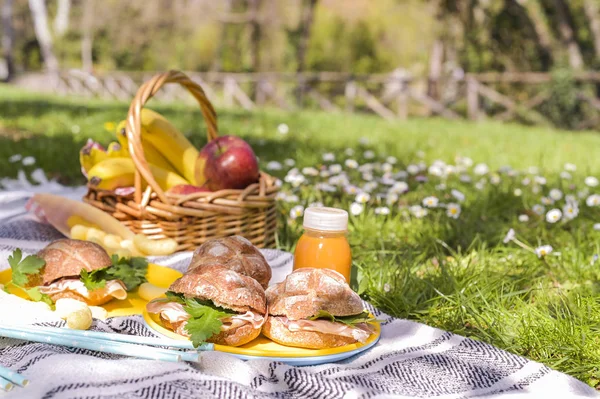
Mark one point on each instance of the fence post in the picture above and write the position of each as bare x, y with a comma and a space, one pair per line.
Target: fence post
350, 92
472, 98
402, 100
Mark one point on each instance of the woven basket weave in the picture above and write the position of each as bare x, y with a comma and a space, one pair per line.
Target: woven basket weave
191, 219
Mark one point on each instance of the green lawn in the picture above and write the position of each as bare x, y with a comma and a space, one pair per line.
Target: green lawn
455, 274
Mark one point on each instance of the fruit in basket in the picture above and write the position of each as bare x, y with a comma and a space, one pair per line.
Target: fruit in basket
160, 247
90, 154
187, 189
152, 155
229, 163
113, 173
173, 145
116, 150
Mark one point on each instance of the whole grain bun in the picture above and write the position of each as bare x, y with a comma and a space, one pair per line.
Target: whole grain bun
233, 337
66, 258
235, 253
224, 287
276, 330
306, 291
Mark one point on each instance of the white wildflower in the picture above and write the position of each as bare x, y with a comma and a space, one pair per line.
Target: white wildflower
543, 251
362, 198
464, 161
593, 200
351, 164
465, 178
399, 188
28, 161
356, 208
597, 226
509, 236
570, 167
274, 165
387, 180
412, 169
75, 129
324, 173
536, 189
15, 158
436, 170
418, 211
481, 169
296, 212
387, 167
523, 218
526, 181
351, 189
369, 154
553, 215
440, 187
391, 198
460, 197
541, 180
430, 202
539, 209
591, 181
386, 287
329, 157
391, 160
565, 175
547, 201
421, 154
370, 186
518, 192
292, 198
382, 210
363, 141
296, 180
366, 168
495, 179
401, 175
480, 185
555, 194
283, 128
289, 162
367, 176
281, 196
570, 199
533, 170
453, 210
335, 168
325, 187
349, 151
310, 171
570, 211
315, 205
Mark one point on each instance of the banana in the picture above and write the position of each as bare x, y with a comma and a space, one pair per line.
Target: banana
91, 154
173, 145
120, 172
153, 156
116, 150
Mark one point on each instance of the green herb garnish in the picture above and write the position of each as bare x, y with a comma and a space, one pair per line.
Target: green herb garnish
131, 271
351, 320
22, 270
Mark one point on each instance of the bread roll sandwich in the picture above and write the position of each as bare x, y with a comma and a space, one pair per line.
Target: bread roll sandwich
76, 269
215, 305
316, 308
235, 253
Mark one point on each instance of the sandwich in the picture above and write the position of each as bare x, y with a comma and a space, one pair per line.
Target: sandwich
213, 304
80, 270
235, 253
316, 308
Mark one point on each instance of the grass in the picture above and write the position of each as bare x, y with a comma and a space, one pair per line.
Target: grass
455, 274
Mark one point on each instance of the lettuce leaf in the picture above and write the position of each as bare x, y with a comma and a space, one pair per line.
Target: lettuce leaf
351, 320
130, 271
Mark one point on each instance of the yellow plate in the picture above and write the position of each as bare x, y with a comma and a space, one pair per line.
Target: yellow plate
261, 347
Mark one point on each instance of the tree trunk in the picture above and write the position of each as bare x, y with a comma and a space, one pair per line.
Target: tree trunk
436, 61
592, 11
39, 15
61, 20
565, 27
8, 38
86, 39
217, 64
255, 35
545, 40
306, 21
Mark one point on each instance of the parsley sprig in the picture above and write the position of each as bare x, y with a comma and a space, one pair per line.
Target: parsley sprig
22, 270
131, 271
205, 320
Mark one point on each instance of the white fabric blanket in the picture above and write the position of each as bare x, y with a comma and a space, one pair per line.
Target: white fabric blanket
411, 359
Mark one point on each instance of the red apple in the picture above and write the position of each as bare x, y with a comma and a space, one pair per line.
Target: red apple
187, 189
229, 163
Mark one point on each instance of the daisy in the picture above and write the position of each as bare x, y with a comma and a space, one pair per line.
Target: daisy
325, 173
418, 211
350, 189
283, 128
555, 194
523, 218
335, 168
570, 211
370, 186
387, 180
329, 157
465, 178
296, 212
412, 169
591, 181
383, 210
495, 179
570, 167
430, 202
541, 180
464, 161
391, 160
593, 200
565, 175
509, 236
401, 175
362, 198
28, 161
399, 187
363, 141
453, 210
351, 164
349, 152
481, 169
292, 198
391, 198
15, 158
274, 165
325, 187
533, 170
553, 215
543, 251
387, 167
436, 170
547, 201
366, 168
278, 183
440, 187
480, 185
570, 199
460, 197
356, 208
518, 192
536, 189
289, 162
367, 176
369, 154
597, 226
386, 287
281, 196
539, 209
421, 154
526, 181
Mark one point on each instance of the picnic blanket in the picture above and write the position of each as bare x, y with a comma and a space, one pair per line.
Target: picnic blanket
411, 359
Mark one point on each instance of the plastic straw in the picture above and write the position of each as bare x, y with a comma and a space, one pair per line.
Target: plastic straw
5, 384
13, 376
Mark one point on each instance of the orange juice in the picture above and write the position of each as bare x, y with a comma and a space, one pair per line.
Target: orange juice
324, 243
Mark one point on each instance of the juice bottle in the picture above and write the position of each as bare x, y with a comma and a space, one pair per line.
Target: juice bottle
324, 243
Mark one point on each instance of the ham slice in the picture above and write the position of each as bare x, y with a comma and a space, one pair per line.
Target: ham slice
359, 332
114, 288
174, 313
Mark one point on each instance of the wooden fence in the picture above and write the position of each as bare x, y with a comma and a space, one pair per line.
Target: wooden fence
501, 96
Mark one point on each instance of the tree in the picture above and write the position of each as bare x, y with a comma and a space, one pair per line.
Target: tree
534, 12
61, 20
567, 33
39, 15
86, 38
306, 21
8, 38
592, 12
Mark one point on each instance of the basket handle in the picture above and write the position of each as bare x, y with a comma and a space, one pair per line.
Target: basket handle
134, 131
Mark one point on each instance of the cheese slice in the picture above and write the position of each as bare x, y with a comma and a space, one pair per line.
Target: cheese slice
174, 313
114, 288
359, 332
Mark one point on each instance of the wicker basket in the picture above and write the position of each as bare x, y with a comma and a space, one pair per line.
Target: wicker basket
195, 218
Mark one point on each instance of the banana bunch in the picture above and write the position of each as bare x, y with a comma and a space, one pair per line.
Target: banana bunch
171, 157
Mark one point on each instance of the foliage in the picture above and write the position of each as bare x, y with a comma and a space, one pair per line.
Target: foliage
447, 272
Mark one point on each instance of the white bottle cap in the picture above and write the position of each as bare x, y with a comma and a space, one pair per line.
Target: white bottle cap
326, 219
